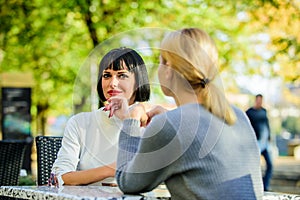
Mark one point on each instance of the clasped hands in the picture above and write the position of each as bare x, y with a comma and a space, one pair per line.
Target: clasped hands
118, 106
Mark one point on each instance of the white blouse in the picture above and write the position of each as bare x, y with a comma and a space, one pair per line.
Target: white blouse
90, 140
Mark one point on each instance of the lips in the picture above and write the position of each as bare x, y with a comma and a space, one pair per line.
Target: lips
114, 92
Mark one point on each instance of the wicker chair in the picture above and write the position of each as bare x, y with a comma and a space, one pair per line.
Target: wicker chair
11, 160
47, 149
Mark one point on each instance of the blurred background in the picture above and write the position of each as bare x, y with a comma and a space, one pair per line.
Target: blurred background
49, 52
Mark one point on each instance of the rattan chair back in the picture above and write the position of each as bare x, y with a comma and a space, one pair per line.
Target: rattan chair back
11, 160
47, 148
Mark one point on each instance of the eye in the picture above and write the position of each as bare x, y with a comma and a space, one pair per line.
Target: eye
123, 76
106, 75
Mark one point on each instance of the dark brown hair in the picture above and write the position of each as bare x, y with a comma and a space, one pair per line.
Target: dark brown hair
134, 63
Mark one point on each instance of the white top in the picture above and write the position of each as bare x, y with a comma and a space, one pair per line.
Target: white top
90, 140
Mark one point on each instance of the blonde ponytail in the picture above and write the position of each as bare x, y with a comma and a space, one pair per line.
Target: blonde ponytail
194, 55
213, 99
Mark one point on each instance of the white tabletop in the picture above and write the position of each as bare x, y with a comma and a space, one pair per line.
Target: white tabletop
77, 192
101, 193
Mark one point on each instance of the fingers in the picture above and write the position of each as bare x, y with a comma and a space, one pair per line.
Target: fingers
110, 184
144, 120
117, 105
113, 108
155, 111
138, 112
52, 181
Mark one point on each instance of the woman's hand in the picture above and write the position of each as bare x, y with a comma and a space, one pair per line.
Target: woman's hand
138, 112
52, 181
155, 111
118, 106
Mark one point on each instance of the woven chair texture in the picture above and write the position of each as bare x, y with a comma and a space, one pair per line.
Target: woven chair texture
11, 160
47, 148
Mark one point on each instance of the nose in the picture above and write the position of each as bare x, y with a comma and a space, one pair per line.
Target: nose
114, 82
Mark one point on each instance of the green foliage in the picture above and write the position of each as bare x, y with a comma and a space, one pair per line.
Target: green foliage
27, 180
53, 39
292, 125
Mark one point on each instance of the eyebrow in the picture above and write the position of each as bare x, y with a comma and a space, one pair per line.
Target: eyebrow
119, 71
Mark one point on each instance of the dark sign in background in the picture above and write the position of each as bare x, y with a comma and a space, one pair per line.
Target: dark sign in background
16, 118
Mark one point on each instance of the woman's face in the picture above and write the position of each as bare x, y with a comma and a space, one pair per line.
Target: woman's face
120, 82
162, 76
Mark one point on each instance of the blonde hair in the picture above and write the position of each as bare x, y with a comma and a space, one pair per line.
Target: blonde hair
193, 54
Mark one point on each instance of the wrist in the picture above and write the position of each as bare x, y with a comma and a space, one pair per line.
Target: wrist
109, 171
137, 112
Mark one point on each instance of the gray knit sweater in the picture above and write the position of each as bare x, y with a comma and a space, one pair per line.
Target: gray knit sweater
196, 154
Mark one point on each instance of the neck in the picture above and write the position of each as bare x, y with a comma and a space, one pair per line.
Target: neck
185, 97
182, 92
257, 107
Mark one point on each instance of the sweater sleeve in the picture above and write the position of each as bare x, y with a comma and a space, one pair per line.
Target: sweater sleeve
142, 163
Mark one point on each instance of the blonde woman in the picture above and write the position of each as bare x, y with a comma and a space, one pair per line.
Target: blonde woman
203, 149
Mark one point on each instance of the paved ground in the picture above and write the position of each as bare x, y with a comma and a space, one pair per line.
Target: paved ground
286, 175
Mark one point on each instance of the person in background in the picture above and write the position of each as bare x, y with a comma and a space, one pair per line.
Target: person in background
203, 149
260, 123
90, 141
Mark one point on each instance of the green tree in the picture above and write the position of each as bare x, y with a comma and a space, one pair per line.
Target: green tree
53, 39
292, 125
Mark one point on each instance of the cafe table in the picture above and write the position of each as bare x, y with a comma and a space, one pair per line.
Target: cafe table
78, 193
100, 193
